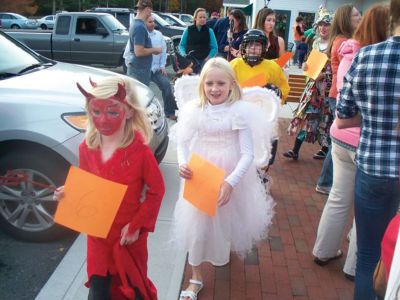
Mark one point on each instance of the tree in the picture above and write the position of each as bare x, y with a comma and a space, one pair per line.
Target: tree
174, 5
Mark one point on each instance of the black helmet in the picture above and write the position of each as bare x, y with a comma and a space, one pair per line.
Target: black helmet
253, 35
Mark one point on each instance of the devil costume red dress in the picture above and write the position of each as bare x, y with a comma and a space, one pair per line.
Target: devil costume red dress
136, 167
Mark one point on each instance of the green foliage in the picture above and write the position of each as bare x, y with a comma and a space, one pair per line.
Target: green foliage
47, 7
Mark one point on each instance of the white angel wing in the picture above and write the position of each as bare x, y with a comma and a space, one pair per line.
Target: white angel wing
263, 121
266, 100
186, 89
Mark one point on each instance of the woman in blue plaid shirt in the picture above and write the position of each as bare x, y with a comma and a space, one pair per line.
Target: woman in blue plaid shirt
371, 98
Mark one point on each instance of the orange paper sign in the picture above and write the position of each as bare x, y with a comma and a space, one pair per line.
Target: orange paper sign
90, 203
257, 80
202, 190
315, 63
284, 58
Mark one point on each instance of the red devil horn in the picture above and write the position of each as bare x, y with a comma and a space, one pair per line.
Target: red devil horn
121, 93
94, 84
84, 92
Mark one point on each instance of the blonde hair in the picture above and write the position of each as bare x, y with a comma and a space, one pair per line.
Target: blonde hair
223, 65
196, 12
106, 88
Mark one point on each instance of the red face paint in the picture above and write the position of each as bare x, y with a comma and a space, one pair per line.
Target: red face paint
107, 115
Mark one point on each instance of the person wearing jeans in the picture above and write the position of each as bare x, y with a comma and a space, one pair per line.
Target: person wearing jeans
344, 144
141, 50
376, 108
324, 183
158, 72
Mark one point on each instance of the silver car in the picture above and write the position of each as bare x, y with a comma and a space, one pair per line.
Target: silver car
42, 119
47, 22
16, 21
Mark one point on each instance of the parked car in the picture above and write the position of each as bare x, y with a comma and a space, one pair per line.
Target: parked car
47, 22
42, 119
167, 29
16, 21
188, 19
124, 15
172, 20
96, 39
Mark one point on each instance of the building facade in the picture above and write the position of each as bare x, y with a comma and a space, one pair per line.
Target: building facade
288, 10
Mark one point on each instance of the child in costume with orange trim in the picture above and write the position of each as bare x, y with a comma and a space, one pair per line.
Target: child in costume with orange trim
252, 69
115, 148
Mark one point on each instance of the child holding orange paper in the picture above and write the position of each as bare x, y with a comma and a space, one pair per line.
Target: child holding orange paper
217, 128
313, 118
116, 149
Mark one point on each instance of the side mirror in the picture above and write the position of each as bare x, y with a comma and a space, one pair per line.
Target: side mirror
102, 31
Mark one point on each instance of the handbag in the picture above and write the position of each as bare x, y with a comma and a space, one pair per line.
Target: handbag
379, 279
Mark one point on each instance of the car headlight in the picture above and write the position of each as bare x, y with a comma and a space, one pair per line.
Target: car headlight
76, 120
155, 114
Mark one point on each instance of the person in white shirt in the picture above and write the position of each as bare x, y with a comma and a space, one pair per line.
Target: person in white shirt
158, 72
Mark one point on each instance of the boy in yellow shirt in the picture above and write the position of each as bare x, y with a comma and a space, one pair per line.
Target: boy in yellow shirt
253, 70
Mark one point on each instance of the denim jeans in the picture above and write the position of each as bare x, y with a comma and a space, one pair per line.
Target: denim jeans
142, 75
376, 203
163, 83
326, 176
296, 53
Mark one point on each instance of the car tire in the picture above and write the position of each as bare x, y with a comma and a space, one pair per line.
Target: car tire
26, 209
43, 26
15, 26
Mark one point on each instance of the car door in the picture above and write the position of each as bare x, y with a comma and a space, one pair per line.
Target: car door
88, 46
6, 20
62, 39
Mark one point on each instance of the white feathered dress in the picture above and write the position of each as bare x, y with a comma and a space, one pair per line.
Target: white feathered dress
221, 134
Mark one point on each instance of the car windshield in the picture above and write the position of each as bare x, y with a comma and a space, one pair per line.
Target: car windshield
173, 20
113, 23
187, 18
13, 58
160, 20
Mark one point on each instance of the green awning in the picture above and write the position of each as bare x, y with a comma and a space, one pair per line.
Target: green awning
248, 10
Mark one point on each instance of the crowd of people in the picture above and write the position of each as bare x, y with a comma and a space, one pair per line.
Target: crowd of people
351, 109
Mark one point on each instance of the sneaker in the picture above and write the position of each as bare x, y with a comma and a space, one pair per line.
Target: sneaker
349, 277
291, 154
323, 189
319, 155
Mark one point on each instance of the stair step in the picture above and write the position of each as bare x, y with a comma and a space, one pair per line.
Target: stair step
297, 85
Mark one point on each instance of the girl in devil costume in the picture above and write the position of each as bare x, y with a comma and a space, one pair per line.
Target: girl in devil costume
115, 148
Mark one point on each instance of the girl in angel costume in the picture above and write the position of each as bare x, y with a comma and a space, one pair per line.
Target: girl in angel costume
222, 128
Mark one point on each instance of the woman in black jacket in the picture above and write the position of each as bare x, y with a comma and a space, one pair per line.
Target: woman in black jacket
198, 41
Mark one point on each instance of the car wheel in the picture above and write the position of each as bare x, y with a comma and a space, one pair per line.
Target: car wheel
15, 26
27, 207
43, 26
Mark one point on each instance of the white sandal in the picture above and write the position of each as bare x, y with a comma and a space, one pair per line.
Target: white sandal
192, 294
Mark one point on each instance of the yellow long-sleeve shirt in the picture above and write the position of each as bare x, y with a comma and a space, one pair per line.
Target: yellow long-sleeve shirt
268, 71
